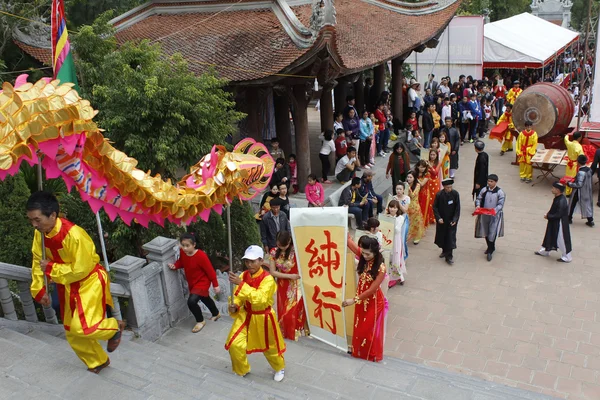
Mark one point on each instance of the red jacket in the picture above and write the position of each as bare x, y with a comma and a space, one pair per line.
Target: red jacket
199, 272
381, 118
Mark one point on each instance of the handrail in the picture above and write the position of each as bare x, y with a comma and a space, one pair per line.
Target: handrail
15, 272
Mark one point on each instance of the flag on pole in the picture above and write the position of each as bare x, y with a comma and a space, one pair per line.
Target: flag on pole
62, 58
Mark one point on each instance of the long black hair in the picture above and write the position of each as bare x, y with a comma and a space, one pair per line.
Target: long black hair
284, 238
371, 244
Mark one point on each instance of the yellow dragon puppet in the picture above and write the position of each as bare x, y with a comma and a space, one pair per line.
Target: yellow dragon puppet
50, 118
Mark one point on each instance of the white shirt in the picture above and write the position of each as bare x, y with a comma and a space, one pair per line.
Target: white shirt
446, 112
326, 146
339, 167
444, 89
336, 126
412, 96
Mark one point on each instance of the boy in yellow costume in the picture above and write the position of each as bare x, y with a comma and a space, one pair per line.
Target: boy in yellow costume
507, 143
574, 150
255, 328
83, 285
513, 93
526, 148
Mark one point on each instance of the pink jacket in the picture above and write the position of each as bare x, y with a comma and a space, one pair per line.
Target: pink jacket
315, 193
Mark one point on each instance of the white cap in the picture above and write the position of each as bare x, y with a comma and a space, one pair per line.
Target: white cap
253, 253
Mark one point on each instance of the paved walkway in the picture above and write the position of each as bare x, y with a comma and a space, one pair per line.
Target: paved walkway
521, 320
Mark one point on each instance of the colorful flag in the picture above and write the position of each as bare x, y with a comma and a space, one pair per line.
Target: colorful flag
62, 58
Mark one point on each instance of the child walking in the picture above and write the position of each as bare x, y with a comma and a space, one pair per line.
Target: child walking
199, 274
369, 314
255, 327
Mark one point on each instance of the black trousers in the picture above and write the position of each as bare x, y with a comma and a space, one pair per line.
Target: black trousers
491, 246
574, 202
363, 152
195, 307
448, 254
325, 165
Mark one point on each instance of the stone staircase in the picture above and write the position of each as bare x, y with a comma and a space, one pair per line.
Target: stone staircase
36, 362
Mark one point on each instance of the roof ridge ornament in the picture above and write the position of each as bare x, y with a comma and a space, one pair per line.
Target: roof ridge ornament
323, 14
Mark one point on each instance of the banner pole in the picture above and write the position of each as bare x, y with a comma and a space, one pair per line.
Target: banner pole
49, 313
230, 250
116, 308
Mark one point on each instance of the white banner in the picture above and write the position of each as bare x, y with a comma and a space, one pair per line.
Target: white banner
320, 239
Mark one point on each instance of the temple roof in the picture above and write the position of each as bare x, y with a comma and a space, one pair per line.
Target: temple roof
252, 40
258, 40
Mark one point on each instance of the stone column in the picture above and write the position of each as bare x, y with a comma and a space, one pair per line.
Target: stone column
340, 92
6, 301
326, 108
359, 94
301, 128
253, 111
164, 251
146, 312
379, 79
397, 100
27, 301
282, 122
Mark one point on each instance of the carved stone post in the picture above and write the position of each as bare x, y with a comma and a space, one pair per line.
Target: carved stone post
6, 301
27, 302
282, 122
164, 251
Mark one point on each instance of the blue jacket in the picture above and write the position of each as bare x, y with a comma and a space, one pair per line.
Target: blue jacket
366, 189
366, 128
475, 108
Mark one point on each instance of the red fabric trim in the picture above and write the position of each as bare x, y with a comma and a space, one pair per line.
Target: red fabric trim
48, 270
55, 243
75, 300
40, 294
237, 291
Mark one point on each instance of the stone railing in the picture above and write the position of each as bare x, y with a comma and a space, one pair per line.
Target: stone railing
22, 277
156, 297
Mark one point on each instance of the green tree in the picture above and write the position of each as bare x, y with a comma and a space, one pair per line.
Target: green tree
244, 229
499, 9
15, 230
151, 106
84, 12
579, 13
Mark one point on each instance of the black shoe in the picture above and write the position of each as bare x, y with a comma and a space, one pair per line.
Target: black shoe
442, 255
570, 221
486, 252
489, 257
598, 204
357, 169
449, 261
590, 224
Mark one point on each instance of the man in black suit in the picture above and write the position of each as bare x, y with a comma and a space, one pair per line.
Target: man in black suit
272, 223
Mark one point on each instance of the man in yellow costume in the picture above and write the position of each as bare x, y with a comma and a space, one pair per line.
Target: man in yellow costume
513, 93
574, 150
526, 148
507, 143
255, 328
83, 285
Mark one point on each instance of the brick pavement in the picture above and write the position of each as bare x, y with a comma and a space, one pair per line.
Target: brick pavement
520, 320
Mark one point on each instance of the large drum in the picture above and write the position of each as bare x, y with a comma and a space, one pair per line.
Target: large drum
548, 106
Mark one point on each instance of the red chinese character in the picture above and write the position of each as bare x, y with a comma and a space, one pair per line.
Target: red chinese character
329, 258
386, 238
330, 306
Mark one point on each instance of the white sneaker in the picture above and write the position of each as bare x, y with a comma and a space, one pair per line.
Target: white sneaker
279, 375
366, 166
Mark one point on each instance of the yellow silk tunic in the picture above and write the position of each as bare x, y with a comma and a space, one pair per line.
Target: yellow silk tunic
526, 146
254, 298
574, 150
511, 126
512, 95
83, 285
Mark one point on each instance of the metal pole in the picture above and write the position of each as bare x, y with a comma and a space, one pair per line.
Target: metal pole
585, 50
49, 313
116, 309
230, 249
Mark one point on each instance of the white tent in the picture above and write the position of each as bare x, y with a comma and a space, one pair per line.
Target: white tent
524, 41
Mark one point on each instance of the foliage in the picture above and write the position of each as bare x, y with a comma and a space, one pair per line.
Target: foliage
84, 12
15, 229
499, 9
151, 106
579, 12
244, 229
